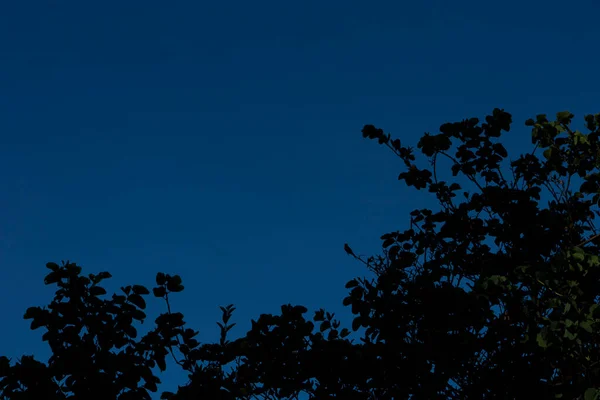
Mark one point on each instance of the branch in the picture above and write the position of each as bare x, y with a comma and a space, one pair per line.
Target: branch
588, 240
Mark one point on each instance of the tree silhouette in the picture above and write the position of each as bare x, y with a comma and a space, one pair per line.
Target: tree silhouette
494, 295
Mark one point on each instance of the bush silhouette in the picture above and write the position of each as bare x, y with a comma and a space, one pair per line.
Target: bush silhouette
492, 296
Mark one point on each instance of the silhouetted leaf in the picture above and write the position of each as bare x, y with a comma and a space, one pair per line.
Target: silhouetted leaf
97, 291
52, 266
139, 289
138, 314
351, 284
162, 365
52, 277
160, 279
137, 300
586, 325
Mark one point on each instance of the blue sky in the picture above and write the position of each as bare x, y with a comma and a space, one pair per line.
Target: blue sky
221, 141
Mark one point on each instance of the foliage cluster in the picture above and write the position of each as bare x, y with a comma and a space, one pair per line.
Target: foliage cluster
493, 296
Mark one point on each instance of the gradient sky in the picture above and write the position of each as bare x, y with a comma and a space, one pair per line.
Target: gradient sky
221, 140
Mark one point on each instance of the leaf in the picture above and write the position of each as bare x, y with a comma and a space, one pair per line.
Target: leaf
138, 314
160, 278
53, 266
52, 277
137, 300
587, 326
176, 280
36, 323
564, 117
151, 386
580, 138
499, 148
568, 323
319, 315
159, 291
388, 242
32, 312
569, 335
161, 364
301, 309
174, 284
541, 341
48, 335
131, 331
139, 289
177, 289
351, 284
104, 275
97, 291
591, 394
332, 335
72, 267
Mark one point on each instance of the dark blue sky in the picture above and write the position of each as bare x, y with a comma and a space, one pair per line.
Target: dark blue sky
221, 140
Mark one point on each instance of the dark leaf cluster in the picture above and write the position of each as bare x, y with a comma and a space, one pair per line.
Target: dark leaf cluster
495, 295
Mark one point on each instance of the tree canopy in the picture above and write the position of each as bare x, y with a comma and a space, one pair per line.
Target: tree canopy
494, 295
